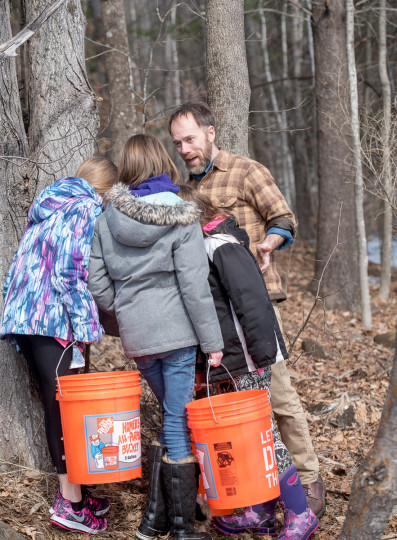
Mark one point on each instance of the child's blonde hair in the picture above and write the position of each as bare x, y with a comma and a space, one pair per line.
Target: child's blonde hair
100, 172
142, 157
208, 210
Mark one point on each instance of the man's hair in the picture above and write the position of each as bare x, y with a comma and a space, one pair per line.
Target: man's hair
200, 112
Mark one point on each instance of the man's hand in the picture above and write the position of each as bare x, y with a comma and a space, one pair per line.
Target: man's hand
215, 358
270, 243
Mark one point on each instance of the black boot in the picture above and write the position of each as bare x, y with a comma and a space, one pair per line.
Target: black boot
180, 485
155, 520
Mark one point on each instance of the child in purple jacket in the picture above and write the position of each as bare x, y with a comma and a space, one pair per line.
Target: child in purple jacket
47, 307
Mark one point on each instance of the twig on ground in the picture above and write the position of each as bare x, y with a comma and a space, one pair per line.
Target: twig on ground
328, 460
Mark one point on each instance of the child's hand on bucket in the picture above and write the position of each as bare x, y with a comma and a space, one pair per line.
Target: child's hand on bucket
215, 358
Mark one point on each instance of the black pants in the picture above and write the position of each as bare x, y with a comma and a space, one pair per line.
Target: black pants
43, 354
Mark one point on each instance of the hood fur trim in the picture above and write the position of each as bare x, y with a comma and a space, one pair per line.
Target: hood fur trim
136, 208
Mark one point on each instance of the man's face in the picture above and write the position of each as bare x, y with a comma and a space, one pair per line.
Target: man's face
194, 144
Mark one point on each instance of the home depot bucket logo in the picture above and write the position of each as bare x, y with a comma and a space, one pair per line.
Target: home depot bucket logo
113, 441
105, 425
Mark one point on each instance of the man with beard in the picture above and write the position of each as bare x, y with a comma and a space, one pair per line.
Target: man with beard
246, 188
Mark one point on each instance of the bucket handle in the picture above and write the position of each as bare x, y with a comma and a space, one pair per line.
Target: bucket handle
70, 345
59, 363
208, 386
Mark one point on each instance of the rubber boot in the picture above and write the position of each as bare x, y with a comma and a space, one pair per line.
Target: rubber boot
180, 484
299, 521
155, 519
260, 519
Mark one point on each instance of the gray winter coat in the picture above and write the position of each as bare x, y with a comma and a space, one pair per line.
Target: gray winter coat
148, 263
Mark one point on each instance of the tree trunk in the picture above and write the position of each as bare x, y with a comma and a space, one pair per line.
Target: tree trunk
287, 184
172, 79
359, 184
374, 487
338, 274
304, 206
122, 122
227, 73
62, 123
259, 147
385, 276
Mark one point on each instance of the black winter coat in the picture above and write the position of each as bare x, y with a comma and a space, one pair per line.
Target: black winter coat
237, 285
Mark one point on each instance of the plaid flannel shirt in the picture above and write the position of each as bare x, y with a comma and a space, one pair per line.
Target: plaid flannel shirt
247, 189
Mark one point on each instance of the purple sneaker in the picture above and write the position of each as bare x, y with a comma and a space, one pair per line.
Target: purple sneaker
97, 505
261, 523
298, 526
83, 521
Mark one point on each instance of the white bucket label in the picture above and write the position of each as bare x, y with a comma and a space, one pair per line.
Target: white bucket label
206, 470
113, 441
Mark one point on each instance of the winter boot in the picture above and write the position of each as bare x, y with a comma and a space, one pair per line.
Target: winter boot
299, 521
155, 520
260, 518
180, 485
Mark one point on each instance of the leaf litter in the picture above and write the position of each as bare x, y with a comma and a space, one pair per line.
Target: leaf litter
342, 393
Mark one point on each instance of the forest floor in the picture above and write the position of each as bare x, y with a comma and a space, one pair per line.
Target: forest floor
352, 376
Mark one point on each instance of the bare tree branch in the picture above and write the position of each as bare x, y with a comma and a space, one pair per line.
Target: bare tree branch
8, 49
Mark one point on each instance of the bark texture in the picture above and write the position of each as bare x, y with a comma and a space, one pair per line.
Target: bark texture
55, 136
122, 121
374, 488
340, 282
304, 205
358, 170
227, 73
385, 276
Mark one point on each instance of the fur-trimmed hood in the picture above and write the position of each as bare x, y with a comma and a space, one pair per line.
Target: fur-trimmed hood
141, 221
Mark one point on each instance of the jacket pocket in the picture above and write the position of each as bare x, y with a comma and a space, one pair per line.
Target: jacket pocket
227, 202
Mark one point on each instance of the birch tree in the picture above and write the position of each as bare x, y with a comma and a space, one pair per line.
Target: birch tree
58, 133
358, 172
385, 276
288, 184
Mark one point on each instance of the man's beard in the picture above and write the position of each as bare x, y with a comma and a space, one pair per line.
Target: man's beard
204, 160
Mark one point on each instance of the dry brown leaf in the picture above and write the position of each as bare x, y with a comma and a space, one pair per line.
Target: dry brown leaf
33, 474
29, 531
374, 414
6, 494
35, 508
361, 413
339, 437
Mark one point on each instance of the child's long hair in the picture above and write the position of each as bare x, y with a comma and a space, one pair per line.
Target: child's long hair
100, 172
208, 210
142, 157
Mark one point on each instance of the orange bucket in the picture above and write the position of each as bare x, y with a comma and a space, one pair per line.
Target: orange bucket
202, 495
234, 444
100, 416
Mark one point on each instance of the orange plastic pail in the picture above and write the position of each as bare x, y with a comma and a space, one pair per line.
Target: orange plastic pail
202, 495
235, 449
100, 416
